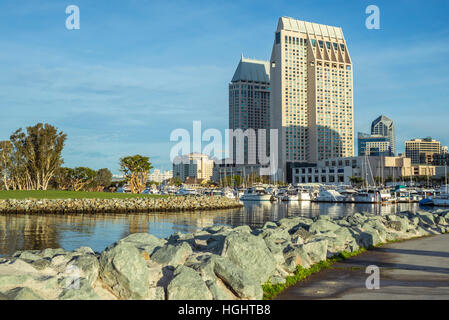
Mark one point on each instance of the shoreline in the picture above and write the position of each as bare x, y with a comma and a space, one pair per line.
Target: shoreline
217, 262
117, 205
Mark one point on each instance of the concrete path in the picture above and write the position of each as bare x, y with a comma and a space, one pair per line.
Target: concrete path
413, 269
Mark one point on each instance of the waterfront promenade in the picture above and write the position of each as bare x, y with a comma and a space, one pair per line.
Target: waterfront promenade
412, 269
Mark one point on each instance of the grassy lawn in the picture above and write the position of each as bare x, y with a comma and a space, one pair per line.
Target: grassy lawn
57, 194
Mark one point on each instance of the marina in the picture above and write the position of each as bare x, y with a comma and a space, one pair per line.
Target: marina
399, 193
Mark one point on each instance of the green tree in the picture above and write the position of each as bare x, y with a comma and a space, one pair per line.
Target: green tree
36, 155
82, 177
136, 169
175, 181
238, 180
63, 178
356, 180
102, 179
5, 162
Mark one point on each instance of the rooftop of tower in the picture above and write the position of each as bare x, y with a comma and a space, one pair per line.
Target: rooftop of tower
252, 70
291, 24
384, 119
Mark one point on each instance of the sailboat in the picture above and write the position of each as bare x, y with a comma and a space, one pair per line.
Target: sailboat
256, 194
442, 199
368, 195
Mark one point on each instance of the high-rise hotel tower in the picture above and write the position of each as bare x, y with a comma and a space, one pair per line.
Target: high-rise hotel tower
249, 102
311, 93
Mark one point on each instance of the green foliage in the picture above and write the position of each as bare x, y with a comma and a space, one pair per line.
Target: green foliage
357, 181
103, 178
77, 179
5, 162
136, 169
175, 181
63, 178
36, 156
83, 177
232, 181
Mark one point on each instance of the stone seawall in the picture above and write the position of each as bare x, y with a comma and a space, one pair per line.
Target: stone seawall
118, 205
215, 263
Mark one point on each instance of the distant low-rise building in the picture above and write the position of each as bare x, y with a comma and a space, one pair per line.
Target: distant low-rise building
423, 170
194, 182
341, 170
194, 165
117, 177
160, 176
441, 159
441, 171
421, 151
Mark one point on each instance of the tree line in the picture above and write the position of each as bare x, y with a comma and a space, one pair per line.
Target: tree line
32, 160
29, 159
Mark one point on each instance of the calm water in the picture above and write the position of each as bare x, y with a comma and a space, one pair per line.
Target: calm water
27, 232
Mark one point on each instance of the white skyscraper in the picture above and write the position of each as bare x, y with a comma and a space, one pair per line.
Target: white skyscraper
311, 93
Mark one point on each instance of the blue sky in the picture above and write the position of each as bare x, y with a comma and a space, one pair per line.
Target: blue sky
138, 69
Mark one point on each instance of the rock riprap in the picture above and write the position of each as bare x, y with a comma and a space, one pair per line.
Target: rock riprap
167, 204
218, 262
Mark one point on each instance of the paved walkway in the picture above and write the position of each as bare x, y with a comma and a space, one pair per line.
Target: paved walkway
413, 269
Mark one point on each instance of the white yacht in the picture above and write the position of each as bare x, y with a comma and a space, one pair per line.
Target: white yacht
441, 200
256, 194
216, 192
187, 192
304, 195
329, 196
348, 193
281, 194
368, 196
290, 195
228, 193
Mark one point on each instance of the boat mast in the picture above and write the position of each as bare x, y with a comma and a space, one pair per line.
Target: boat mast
445, 173
244, 178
